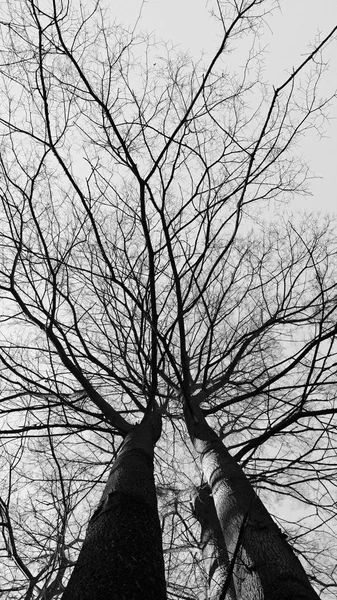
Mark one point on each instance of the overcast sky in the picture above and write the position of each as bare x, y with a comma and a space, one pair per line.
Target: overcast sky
187, 23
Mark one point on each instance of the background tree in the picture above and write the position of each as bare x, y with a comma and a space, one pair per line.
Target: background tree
139, 265
216, 561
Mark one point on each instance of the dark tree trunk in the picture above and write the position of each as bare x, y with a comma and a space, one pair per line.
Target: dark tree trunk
265, 566
122, 557
214, 551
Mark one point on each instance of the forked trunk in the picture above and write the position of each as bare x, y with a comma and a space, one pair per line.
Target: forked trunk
215, 556
122, 557
264, 564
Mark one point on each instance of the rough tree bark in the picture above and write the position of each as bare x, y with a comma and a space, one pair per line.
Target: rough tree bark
122, 557
214, 551
265, 565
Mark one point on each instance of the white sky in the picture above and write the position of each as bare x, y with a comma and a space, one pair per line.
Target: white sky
187, 23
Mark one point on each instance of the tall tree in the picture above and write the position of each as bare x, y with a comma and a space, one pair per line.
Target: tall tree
219, 568
140, 269
122, 554
263, 563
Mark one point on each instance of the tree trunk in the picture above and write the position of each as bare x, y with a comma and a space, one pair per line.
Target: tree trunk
122, 557
214, 551
265, 566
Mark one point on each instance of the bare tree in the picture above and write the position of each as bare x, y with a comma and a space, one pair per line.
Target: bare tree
264, 564
141, 276
218, 567
122, 554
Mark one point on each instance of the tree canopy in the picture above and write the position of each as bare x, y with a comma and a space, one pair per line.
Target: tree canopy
150, 259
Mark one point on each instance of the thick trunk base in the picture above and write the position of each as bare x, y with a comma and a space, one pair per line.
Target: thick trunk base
121, 558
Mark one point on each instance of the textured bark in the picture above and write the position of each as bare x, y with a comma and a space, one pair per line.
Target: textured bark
214, 551
265, 565
122, 558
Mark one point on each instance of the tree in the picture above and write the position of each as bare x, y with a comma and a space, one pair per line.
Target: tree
122, 554
141, 278
218, 567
